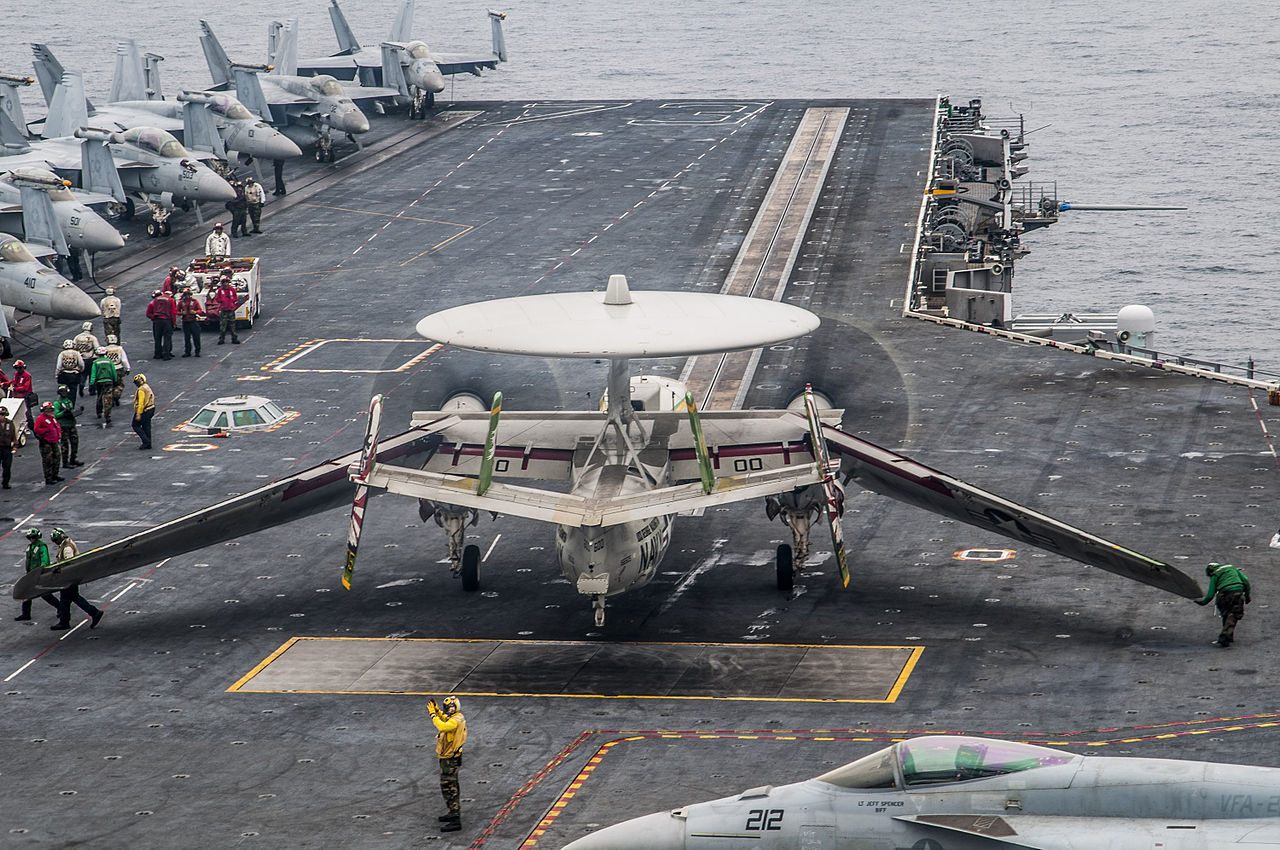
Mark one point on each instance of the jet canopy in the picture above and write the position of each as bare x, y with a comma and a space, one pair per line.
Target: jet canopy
327, 85
419, 50
230, 107
13, 251
155, 140
936, 760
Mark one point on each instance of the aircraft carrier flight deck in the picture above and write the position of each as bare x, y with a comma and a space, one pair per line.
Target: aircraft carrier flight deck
240, 696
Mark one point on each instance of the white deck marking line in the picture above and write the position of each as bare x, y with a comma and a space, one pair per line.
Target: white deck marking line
489, 551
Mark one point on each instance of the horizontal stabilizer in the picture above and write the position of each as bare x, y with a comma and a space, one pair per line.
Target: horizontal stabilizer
901, 478
313, 490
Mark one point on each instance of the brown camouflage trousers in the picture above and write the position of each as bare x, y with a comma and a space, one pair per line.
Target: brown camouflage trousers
1231, 606
449, 784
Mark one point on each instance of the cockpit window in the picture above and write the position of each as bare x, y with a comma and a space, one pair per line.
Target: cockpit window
13, 251
418, 50
873, 771
327, 85
933, 760
230, 107
157, 141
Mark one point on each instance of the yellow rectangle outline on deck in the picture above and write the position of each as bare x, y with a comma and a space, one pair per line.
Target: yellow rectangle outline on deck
899, 683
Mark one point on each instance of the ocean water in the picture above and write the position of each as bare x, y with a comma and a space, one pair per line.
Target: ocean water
1170, 102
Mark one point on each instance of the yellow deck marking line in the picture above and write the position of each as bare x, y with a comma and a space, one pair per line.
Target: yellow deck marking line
263, 664
914, 653
279, 364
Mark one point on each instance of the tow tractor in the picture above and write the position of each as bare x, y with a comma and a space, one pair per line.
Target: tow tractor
202, 277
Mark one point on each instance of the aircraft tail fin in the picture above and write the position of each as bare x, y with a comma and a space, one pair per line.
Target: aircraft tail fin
39, 224
48, 70
402, 29
347, 43
199, 131
98, 169
215, 56
129, 81
151, 73
283, 42
12, 141
68, 110
499, 40
249, 92
11, 108
392, 70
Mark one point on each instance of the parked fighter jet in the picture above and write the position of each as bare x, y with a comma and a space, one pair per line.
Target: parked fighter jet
305, 109
81, 227
205, 121
145, 164
631, 467
402, 62
29, 286
962, 793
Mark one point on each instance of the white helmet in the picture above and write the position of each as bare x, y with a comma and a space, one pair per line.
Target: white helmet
66, 343
111, 338
111, 290
87, 326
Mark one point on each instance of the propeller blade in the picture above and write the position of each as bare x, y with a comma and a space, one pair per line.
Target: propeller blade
490, 444
700, 445
830, 489
364, 466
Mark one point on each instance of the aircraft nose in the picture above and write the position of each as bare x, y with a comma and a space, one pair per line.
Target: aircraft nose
211, 187
660, 831
71, 302
97, 235
353, 121
280, 146
426, 76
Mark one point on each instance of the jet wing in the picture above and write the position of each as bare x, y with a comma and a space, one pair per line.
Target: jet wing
361, 94
1043, 832
890, 474
310, 491
463, 63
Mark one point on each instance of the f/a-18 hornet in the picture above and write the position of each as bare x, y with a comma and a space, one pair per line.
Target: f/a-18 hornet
631, 467
962, 793
403, 62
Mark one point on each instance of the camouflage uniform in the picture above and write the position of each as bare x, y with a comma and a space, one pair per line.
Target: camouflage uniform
1231, 587
451, 734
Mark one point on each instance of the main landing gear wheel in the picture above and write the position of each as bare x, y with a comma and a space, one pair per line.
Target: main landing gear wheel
153, 229
786, 572
471, 569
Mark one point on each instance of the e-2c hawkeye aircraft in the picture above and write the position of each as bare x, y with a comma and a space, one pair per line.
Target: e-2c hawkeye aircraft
403, 62
632, 467
963, 793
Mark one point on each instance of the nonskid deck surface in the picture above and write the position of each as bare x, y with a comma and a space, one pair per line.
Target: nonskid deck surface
132, 727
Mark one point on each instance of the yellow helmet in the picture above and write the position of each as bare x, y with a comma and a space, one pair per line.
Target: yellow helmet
450, 705
139, 379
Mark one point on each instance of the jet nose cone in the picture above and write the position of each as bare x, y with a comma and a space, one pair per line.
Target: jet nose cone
651, 832
354, 121
97, 235
71, 302
426, 76
211, 187
280, 146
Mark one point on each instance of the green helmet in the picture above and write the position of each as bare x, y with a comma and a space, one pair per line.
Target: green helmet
58, 535
33, 533
1209, 569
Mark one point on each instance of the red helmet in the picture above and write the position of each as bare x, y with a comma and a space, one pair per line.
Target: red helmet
18, 364
48, 405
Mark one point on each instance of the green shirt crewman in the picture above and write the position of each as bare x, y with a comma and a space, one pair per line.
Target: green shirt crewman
1231, 587
103, 379
37, 559
64, 410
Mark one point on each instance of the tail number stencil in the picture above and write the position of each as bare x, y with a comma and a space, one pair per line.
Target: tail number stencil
761, 819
